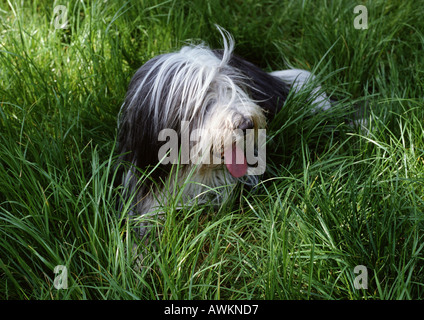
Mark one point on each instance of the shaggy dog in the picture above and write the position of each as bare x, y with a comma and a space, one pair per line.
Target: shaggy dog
194, 121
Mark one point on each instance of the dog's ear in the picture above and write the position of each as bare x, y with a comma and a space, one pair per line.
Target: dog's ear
138, 143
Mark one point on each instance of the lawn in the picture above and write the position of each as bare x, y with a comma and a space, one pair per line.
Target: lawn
339, 213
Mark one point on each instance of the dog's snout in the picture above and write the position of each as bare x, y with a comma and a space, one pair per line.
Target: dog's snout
246, 124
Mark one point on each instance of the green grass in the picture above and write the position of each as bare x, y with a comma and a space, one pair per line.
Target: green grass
334, 197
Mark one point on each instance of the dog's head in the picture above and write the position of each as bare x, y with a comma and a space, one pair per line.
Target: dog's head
192, 107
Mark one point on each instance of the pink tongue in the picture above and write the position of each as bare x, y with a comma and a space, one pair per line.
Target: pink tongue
235, 161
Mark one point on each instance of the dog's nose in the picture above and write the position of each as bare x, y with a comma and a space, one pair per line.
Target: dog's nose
246, 124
